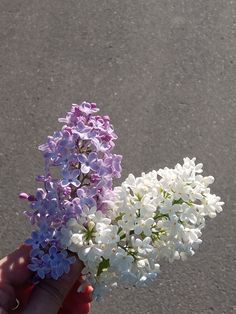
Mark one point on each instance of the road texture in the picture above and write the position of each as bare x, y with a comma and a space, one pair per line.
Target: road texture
165, 71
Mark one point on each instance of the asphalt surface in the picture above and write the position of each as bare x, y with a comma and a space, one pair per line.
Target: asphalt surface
165, 72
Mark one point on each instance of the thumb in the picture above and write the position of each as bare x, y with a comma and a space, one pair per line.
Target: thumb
49, 294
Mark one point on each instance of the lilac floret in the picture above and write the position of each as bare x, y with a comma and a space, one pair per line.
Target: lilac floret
73, 209
41, 237
88, 163
70, 177
58, 262
88, 108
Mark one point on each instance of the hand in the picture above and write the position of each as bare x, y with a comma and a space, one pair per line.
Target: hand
49, 296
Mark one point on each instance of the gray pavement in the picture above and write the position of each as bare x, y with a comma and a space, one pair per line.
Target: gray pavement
165, 71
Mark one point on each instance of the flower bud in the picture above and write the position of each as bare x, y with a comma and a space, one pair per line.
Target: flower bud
91, 225
23, 196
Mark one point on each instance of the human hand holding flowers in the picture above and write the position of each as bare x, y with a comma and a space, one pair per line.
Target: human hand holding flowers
17, 290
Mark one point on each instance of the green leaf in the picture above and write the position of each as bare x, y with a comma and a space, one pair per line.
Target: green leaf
103, 266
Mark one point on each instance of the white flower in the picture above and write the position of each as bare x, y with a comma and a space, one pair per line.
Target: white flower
212, 205
191, 235
149, 220
77, 241
143, 246
106, 234
128, 219
121, 261
73, 225
144, 226
188, 214
146, 206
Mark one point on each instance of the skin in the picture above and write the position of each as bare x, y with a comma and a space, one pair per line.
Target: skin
49, 296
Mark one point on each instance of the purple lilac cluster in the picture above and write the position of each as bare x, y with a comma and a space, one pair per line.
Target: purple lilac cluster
79, 169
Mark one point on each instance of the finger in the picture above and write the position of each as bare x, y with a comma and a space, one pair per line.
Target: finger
77, 302
82, 297
48, 296
13, 267
13, 272
86, 295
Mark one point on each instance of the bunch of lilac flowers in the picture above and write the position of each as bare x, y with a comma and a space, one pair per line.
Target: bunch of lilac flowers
120, 234
79, 169
156, 217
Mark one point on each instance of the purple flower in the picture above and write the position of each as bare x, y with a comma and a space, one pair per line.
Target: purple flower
58, 262
88, 163
70, 177
87, 196
115, 162
52, 206
83, 132
42, 178
87, 192
49, 148
41, 237
102, 146
37, 265
54, 263
87, 201
24, 196
67, 141
72, 208
66, 190
87, 108
111, 165
44, 203
39, 201
81, 154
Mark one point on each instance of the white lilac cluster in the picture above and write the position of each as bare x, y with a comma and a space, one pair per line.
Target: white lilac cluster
158, 216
